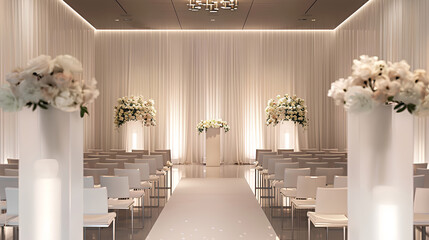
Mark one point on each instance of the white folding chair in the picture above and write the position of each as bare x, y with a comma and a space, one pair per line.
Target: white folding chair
153, 178
314, 165
419, 165
95, 210
330, 211
306, 193
12, 161
118, 192
118, 150
91, 161
130, 158
145, 178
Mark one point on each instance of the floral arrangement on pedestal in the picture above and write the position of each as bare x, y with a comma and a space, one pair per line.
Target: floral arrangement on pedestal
135, 109
374, 82
48, 82
206, 124
286, 108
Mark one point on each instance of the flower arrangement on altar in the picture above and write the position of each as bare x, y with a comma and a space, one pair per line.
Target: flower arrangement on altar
135, 109
206, 124
48, 82
374, 82
286, 108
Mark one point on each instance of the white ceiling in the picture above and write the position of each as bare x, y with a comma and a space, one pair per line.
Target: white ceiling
251, 14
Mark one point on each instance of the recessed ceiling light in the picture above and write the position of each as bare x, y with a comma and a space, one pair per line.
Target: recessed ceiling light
212, 19
313, 19
116, 20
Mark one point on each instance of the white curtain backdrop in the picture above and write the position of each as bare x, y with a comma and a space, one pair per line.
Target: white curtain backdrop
195, 75
31, 28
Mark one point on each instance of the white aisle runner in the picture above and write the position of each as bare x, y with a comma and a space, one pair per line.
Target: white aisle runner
212, 208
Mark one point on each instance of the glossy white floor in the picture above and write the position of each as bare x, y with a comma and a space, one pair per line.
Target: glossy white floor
123, 232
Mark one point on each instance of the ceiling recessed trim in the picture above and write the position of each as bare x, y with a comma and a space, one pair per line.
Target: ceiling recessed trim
218, 30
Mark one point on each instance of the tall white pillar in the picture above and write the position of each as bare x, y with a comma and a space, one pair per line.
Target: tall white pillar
51, 175
380, 186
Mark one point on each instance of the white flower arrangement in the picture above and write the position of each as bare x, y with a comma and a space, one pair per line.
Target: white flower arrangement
48, 82
286, 108
206, 124
135, 109
374, 82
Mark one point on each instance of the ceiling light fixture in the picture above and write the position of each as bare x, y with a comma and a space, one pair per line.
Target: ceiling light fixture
212, 6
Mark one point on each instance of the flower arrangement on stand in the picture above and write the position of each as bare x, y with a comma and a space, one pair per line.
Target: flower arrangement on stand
48, 82
203, 125
286, 108
374, 82
135, 109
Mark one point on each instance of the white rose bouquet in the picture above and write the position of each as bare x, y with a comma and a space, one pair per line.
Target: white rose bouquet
46, 81
135, 109
206, 124
286, 108
374, 82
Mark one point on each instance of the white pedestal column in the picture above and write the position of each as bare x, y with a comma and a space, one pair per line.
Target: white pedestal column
213, 147
51, 175
380, 177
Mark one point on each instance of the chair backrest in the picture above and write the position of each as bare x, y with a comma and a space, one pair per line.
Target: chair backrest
142, 167
167, 151
144, 152
109, 166
5, 182
96, 173
261, 156
282, 151
12, 199
88, 182
342, 165
315, 152
331, 155
303, 161
280, 167
418, 182
307, 186
330, 173
151, 162
421, 171
95, 201
11, 172
314, 165
419, 165
340, 181
133, 177
273, 161
421, 200
331, 201
120, 162
163, 154
13, 161
101, 157
267, 158
118, 150
117, 187
95, 150
330, 149
291, 176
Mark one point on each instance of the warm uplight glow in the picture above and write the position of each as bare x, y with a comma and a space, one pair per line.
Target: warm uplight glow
134, 141
387, 220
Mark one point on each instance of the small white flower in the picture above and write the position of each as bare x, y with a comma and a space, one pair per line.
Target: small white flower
42, 65
30, 91
69, 64
359, 99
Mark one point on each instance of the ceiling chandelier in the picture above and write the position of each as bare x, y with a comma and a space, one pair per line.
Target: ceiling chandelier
212, 5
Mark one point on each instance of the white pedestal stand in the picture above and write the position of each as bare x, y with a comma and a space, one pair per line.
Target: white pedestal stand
51, 175
213, 147
380, 180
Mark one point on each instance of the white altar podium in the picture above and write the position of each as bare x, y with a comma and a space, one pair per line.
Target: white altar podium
213, 147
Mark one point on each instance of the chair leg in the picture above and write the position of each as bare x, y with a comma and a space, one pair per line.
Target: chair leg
132, 219
114, 230
309, 228
293, 210
344, 233
423, 232
99, 237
